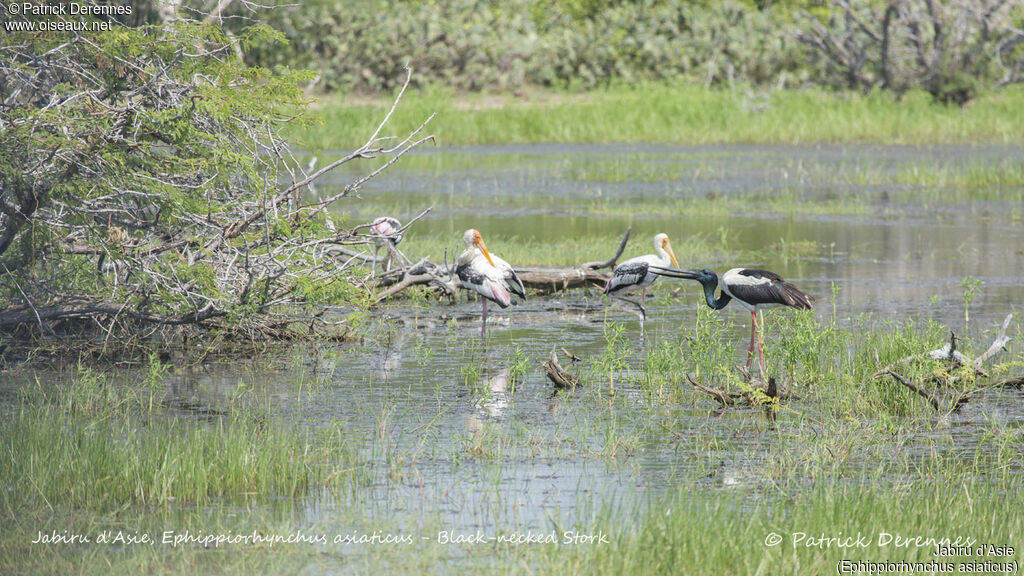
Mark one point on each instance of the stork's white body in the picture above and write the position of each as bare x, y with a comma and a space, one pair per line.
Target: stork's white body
636, 274
487, 275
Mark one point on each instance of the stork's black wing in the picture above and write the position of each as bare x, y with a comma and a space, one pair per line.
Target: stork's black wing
515, 284
759, 287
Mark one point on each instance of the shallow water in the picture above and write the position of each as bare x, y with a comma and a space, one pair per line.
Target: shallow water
894, 253
453, 439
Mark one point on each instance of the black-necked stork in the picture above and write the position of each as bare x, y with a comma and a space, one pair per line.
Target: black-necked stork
487, 275
636, 272
385, 229
755, 290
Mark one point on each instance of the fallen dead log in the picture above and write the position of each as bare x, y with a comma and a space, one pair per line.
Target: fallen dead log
956, 360
548, 280
543, 280
997, 346
956, 404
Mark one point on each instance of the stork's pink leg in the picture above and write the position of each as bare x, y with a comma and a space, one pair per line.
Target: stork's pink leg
760, 349
483, 322
753, 334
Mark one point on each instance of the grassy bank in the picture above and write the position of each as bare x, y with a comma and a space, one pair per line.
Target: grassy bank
676, 114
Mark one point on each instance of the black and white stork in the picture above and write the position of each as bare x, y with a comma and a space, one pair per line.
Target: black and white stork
636, 272
385, 230
487, 275
753, 289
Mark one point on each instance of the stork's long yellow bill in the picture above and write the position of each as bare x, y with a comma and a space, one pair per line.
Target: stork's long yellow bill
671, 254
483, 249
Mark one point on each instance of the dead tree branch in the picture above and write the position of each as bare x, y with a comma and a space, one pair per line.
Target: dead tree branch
997, 346
557, 374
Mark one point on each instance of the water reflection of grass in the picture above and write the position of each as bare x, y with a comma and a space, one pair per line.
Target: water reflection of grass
944, 183
704, 184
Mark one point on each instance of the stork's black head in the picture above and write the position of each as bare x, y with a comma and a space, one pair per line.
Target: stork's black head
705, 276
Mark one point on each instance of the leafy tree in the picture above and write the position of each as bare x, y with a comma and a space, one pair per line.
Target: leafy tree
140, 185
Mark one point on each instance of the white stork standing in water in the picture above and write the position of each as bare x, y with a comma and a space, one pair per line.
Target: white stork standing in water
754, 289
636, 272
487, 275
385, 229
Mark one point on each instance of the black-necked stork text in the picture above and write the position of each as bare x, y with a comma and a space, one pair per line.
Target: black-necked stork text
753, 289
487, 275
636, 273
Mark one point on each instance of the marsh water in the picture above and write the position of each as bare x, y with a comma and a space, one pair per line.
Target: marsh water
451, 436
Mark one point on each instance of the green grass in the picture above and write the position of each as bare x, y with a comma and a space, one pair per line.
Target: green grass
568, 251
697, 534
830, 368
94, 444
679, 114
852, 453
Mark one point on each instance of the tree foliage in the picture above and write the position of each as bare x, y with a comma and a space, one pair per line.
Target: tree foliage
141, 173
477, 45
949, 48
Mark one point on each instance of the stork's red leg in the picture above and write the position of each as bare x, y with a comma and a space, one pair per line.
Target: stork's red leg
483, 322
760, 348
753, 333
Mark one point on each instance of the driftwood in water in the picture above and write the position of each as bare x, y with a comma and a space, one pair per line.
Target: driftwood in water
1015, 382
557, 374
956, 361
